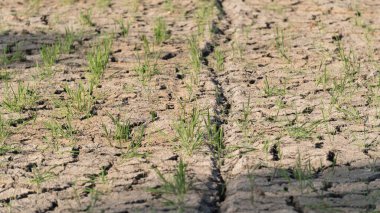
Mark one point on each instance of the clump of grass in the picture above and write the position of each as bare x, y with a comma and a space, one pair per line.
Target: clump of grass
124, 30
219, 59
168, 5
5, 75
189, 132
195, 57
103, 3
66, 43
16, 56
49, 56
21, 99
272, 90
80, 99
58, 130
4, 129
40, 177
215, 137
174, 190
98, 58
147, 66
86, 18
160, 31
33, 6
203, 16
245, 120
302, 131
280, 44
124, 132
303, 173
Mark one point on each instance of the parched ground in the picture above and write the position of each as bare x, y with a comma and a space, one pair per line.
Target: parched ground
279, 99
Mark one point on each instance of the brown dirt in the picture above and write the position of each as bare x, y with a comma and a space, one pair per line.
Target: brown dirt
298, 151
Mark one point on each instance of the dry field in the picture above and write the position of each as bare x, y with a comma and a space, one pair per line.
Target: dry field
189, 106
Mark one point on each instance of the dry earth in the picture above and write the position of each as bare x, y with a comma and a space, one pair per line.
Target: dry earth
292, 88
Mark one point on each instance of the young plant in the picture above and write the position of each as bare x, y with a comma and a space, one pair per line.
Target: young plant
160, 31
66, 43
146, 69
58, 130
40, 177
189, 132
219, 59
272, 90
325, 77
280, 44
7, 58
124, 30
80, 99
147, 66
195, 57
122, 130
49, 56
174, 190
302, 131
103, 3
303, 173
203, 17
4, 129
34, 6
86, 18
169, 6
21, 99
245, 121
215, 137
98, 58
5, 75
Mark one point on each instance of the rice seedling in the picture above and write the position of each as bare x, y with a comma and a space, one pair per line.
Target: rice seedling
80, 99
245, 122
195, 57
189, 132
58, 130
94, 195
4, 129
86, 18
169, 5
160, 31
146, 69
21, 99
124, 30
49, 56
7, 57
103, 3
219, 58
203, 16
174, 190
238, 50
272, 90
67, 42
5, 75
280, 44
147, 66
98, 58
351, 64
40, 177
302, 131
33, 6
122, 131
215, 138
303, 173
325, 76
